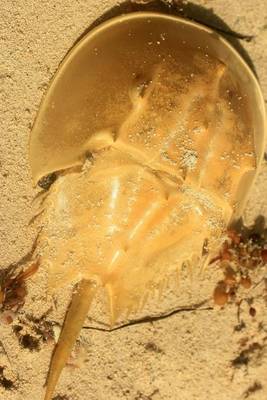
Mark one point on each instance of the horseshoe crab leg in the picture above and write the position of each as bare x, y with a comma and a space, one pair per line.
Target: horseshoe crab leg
77, 312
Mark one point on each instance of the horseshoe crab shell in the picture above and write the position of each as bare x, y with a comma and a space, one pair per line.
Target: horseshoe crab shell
155, 127
88, 99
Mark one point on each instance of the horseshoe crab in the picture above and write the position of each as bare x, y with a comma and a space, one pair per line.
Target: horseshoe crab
154, 128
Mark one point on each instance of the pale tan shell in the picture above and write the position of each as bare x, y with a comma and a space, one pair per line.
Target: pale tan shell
173, 121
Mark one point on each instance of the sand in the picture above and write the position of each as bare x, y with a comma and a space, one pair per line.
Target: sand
199, 352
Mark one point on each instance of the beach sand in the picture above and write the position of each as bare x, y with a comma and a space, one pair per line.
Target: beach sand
200, 352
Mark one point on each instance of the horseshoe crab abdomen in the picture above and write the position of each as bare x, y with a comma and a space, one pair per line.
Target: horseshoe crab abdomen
126, 226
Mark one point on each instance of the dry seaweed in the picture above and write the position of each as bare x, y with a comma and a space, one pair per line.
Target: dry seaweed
241, 255
13, 289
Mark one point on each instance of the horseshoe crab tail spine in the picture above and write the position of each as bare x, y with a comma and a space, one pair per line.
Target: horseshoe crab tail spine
77, 312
